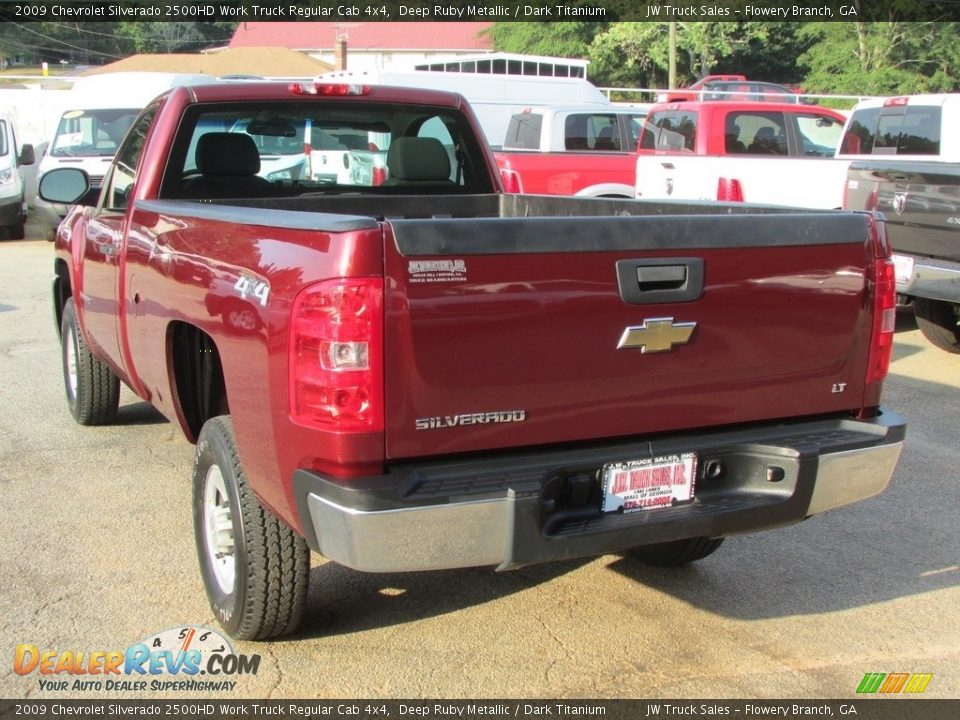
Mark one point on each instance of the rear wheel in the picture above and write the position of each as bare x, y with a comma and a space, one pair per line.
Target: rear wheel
255, 569
676, 553
939, 322
93, 391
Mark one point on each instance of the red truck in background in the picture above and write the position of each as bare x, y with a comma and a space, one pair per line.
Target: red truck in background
758, 152
571, 151
430, 373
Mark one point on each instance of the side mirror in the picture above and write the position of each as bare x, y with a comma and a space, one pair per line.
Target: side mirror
27, 155
64, 186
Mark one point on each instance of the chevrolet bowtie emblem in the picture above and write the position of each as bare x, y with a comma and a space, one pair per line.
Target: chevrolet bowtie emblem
656, 335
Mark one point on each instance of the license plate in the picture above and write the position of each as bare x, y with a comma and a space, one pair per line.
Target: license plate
649, 484
902, 268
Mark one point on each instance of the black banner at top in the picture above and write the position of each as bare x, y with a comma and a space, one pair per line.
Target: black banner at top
480, 10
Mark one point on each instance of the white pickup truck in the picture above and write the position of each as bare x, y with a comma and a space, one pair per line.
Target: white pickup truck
903, 155
756, 152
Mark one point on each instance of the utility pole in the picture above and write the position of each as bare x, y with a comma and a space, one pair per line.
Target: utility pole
672, 72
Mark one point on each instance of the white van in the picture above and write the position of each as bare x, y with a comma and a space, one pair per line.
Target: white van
497, 87
12, 158
100, 110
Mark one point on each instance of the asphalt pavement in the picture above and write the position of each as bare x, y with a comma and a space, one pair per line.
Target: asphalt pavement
97, 553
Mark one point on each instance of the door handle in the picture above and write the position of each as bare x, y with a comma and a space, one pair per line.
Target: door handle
660, 280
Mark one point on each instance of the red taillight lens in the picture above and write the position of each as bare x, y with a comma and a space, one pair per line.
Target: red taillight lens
729, 189
511, 181
379, 176
336, 355
884, 319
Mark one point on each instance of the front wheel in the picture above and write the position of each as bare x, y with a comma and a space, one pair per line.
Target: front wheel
676, 553
939, 322
255, 569
93, 390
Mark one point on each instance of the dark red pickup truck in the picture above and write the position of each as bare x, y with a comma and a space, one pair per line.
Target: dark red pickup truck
432, 374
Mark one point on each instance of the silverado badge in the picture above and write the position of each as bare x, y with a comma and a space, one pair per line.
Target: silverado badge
656, 335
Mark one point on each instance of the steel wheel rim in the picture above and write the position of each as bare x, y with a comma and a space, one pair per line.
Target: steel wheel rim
71, 363
218, 526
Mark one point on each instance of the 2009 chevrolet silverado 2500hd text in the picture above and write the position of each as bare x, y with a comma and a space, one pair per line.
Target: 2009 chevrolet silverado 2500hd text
754, 152
571, 151
906, 164
429, 373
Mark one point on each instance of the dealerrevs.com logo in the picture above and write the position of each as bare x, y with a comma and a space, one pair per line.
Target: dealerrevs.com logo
182, 659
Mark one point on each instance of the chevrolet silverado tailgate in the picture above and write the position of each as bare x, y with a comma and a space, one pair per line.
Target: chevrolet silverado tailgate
505, 332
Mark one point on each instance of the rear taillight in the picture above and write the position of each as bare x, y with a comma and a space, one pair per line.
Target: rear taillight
378, 176
881, 280
336, 355
511, 181
729, 189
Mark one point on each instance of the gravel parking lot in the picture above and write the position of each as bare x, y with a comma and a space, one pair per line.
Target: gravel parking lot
97, 548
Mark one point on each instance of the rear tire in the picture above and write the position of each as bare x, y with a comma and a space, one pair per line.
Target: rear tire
676, 553
255, 569
939, 322
93, 391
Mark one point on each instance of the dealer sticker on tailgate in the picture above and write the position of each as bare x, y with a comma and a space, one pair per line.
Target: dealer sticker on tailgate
648, 484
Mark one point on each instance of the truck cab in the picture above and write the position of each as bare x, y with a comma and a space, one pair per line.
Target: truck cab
762, 152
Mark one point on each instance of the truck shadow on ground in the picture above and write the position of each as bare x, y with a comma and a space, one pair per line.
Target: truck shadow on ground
881, 549
906, 323
872, 552
139, 413
344, 601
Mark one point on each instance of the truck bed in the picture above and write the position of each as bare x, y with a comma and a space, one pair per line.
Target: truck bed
485, 318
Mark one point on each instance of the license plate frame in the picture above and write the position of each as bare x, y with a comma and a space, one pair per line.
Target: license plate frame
648, 484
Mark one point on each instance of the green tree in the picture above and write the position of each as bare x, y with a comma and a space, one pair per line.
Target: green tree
557, 39
631, 53
168, 37
772, 58
881, 58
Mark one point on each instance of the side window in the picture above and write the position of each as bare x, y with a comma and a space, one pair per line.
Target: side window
818, 134
605, 132
650, 131
575, 132
634, 127
679, 132
124, 170
733, 134
761, 133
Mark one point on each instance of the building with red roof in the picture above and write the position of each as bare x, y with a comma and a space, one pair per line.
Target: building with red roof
369, 45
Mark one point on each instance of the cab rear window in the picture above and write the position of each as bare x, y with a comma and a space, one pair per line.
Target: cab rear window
669, 130
524, 131
896, 130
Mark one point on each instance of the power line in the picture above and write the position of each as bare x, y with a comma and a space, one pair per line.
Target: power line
65, 43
